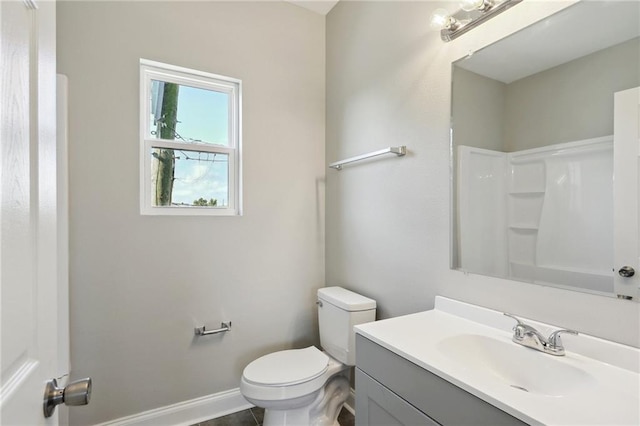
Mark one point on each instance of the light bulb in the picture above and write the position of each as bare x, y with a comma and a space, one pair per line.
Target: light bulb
469, 5
440, 18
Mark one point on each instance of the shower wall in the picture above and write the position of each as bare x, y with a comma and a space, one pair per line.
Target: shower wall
547, 218
481, 213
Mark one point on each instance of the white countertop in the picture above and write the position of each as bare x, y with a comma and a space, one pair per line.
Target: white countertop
612, 396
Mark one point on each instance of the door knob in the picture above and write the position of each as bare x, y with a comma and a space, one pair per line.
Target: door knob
626, 271
75, 393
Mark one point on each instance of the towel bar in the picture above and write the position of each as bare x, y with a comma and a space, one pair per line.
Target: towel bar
398, 150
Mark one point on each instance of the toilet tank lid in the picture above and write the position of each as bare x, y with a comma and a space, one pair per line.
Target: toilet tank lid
346, 299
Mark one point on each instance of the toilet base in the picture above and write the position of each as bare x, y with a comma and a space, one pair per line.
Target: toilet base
323, 411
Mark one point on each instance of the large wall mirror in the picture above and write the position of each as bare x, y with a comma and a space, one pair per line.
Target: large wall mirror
533, 150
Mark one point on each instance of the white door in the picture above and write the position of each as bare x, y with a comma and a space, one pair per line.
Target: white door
626, 193
28, 213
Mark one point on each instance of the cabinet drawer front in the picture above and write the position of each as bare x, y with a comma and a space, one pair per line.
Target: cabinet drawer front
378, 406
444, 402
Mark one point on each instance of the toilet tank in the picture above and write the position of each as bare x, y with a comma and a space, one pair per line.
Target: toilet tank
339, 310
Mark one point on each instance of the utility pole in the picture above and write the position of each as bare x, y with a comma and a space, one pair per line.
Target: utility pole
166, 157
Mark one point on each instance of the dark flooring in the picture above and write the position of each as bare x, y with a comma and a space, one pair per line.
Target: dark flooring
253, 417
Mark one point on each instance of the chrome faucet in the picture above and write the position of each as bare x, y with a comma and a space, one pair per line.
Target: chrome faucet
528, 336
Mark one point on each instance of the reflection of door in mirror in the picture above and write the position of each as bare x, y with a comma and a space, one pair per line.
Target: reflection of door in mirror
532, 126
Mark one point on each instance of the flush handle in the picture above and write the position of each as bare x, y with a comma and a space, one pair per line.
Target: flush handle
75, 393
626, 272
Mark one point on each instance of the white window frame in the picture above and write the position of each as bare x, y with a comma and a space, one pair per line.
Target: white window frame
151, 70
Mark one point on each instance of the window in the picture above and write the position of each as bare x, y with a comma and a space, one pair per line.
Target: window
190, 142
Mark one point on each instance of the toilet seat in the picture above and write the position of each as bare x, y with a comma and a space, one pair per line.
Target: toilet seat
299, 389
287, 368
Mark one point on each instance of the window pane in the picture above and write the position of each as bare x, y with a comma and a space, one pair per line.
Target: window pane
188, 114
189, 178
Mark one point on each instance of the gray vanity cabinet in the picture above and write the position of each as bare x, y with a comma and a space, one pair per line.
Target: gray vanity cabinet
378, 406
391, 390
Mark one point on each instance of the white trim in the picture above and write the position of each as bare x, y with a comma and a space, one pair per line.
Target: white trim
183, 146
20, 376
233, 87
167, 67
182, 79
62, 156
187, 412
31, 4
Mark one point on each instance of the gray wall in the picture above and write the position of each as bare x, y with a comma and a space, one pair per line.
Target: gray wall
140, 284
566, 103
478, 110
570, 102
388, 83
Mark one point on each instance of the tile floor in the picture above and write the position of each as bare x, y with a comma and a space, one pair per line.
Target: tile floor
253, 417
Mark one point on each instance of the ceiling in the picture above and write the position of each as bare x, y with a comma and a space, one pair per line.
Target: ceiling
579, 30
319, 6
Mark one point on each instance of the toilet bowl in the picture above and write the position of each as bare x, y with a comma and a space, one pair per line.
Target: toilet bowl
308, 386
295, 385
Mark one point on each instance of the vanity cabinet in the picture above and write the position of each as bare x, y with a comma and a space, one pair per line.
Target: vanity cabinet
391, 390
376, 405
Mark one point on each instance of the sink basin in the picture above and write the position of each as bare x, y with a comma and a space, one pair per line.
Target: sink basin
521, 368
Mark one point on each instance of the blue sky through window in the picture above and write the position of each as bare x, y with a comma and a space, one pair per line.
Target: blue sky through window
200, 175
203, 117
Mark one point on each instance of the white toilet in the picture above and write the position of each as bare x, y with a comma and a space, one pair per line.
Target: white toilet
304, 387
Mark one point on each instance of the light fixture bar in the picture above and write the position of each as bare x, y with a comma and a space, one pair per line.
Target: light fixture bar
469, 20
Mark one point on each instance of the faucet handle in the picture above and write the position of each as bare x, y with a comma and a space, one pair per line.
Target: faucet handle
522, 330
555, 342
515, 318
519, 329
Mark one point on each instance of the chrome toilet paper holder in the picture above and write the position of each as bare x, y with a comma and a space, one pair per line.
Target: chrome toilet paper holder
202, 331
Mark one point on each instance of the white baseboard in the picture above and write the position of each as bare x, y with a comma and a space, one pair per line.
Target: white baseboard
187, 412
350, 405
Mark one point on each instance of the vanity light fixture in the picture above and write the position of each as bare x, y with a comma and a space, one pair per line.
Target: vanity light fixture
469, 5
471, 14
442, 20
